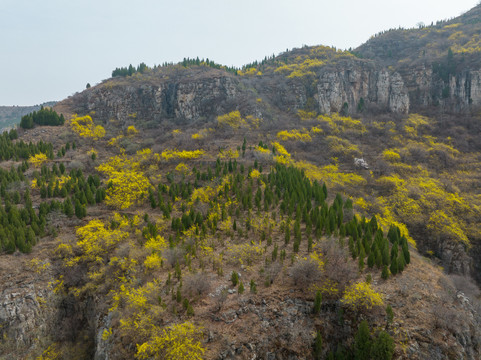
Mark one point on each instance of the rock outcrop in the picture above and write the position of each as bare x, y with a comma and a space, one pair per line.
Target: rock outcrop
25, 311
183, 100
361, 85
461, 94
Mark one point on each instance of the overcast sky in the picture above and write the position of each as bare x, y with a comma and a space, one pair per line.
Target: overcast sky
51, 49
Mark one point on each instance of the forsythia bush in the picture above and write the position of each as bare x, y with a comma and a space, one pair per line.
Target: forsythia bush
85, 127
391, 155
294, 135
94, 239
232, 119
128, 183
361, 296
255, 174
446, 226
184, 154
131, 130
38, 160
176, 342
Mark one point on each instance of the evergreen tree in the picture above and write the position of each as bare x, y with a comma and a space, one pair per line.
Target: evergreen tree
401, 262
234, 278
362, 342
407, 255
68, 207
378, 258
394, 266
383, 347
317, 302
385, 272
389, 314
371, 260
318, 346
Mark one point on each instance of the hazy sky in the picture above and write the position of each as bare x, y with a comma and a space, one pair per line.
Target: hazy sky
51, 49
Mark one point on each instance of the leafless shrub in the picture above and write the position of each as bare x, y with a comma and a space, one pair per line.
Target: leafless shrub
466, 285
448, 292
446, 318
221, 298
174, 255
337, 265
417, 153
272, 271
75, 164
305, 272
196, 284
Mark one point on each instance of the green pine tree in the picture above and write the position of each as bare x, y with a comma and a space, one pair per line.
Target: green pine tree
362, 342
317, 302
318, 346
383, 347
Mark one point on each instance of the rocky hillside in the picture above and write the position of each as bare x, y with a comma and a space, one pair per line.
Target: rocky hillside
318, 204
439, 63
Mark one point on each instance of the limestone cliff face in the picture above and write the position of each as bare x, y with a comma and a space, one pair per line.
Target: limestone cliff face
465, 89
460, 94
25, 311
188, 100
189, 97
352, 82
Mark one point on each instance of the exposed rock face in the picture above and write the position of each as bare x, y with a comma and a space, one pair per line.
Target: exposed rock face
355, 81
465, 89
20, 312
454, 257
460, 94
187, 100
25, 313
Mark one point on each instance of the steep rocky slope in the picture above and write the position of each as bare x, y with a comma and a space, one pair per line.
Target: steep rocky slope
225, 187
438, 63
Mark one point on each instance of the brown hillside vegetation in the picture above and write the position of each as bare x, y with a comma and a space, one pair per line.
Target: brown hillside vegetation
313, 205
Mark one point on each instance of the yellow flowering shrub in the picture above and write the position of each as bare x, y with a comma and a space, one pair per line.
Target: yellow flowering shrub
306, 115
131, 130
182, 168
254, 174
38, 159
175, 342
280, 150
446, 226
391, 155
361, 296
249, 71
94, 240
202, 134
115, 140
128, 183
244, 253
204, 194
184, 154
339, 124
229, 154
153, 261
85, 127
329, 174
294, 135
316, 130
232, 119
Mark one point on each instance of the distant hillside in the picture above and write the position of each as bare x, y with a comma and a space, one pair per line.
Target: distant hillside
11, 115
439, 63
